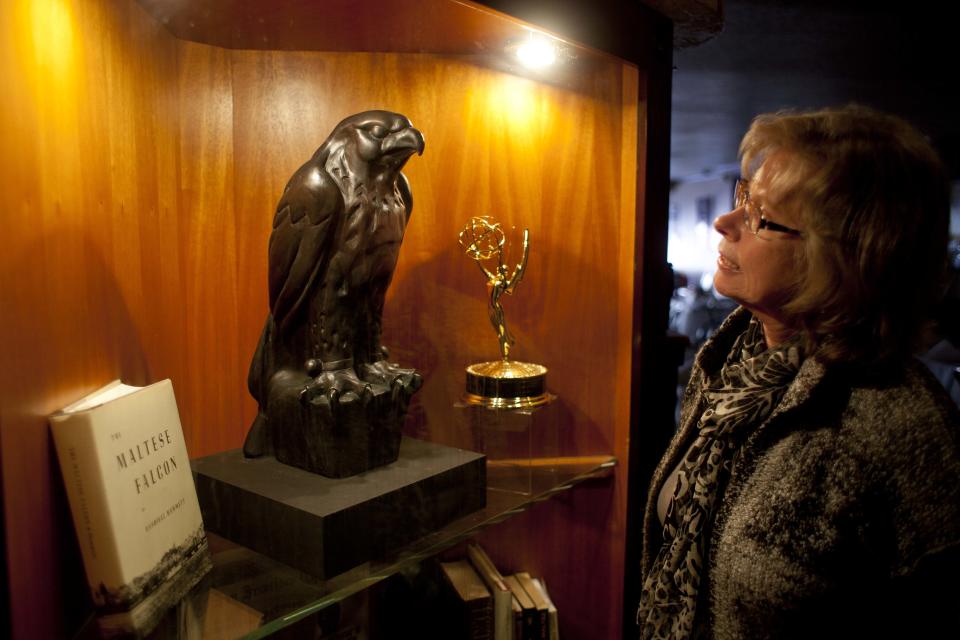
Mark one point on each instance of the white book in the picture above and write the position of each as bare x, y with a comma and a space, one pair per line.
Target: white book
134, 505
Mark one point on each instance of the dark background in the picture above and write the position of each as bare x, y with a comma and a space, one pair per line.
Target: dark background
770, 54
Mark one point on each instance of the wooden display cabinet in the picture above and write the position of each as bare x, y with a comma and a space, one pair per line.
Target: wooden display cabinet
143, 148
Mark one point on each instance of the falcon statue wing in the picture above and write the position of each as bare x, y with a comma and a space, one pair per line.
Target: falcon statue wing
303, 228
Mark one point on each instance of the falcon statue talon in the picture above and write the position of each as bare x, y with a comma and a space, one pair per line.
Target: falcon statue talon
349, 396
385, 373
313, 367
339, 386
397, 388
326, 394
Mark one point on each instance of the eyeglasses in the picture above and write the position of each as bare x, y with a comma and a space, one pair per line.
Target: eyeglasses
753, 218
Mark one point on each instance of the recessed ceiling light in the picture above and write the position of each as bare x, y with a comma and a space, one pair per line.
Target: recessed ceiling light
537, 53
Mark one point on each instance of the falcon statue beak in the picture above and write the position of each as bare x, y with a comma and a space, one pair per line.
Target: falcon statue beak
408, 139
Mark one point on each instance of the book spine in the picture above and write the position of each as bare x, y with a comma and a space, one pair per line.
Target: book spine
480, 620
83, 479
502, 610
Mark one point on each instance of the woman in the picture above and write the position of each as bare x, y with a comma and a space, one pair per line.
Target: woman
813, 487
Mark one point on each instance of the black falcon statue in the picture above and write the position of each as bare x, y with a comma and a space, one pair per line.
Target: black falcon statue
320, 374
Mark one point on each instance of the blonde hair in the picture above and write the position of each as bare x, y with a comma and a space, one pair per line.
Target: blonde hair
874, 201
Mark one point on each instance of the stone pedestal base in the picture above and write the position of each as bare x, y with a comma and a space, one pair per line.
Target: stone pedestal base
325, 526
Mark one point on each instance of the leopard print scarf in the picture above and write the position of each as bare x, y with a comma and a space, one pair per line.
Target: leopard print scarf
741, 396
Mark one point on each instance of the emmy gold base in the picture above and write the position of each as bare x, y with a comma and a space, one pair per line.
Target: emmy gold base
506, 384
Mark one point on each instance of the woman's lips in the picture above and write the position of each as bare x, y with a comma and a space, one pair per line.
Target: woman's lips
725, 263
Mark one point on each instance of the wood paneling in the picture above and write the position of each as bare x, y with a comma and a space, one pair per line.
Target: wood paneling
141, 177
211, 388
89, 169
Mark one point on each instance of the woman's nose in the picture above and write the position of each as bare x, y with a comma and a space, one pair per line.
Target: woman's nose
729, 224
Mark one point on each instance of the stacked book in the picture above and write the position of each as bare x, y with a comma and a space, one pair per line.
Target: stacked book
483, 604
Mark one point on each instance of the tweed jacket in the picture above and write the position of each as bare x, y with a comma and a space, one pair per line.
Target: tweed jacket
841, 515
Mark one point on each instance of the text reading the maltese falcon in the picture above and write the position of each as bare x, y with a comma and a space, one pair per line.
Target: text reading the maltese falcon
157, 469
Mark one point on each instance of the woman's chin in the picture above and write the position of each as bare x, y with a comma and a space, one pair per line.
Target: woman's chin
722, 285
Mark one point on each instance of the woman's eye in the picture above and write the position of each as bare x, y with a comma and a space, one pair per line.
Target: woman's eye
377, 131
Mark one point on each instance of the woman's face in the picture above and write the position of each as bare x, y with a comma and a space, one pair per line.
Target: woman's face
759, 271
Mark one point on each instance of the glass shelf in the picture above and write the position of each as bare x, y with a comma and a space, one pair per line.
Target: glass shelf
251, 596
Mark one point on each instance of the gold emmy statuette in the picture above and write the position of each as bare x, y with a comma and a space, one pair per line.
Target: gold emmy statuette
503, 383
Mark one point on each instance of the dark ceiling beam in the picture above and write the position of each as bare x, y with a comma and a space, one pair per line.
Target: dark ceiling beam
694, 21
